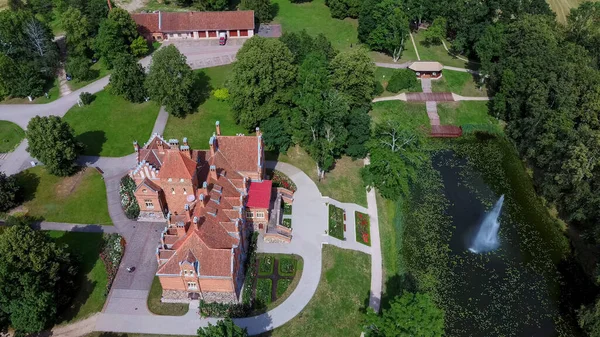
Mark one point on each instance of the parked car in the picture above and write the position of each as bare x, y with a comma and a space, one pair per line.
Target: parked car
69, 77
222, 39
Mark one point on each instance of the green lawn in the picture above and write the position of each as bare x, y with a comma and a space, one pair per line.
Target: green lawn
91, 279
437, 53
80, 198
342, 183
10, 136
198, 127
390, 232
459, 83
53, 94
315, 17
100, 70
109, 125
167, 309
411, 114
337, 308
466, 112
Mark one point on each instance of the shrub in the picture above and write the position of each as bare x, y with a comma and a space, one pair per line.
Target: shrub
139, 47
10, 192
378, 90
111, 255
128, 201
221, 94
287, 223
86, 98
402, 79
223, 310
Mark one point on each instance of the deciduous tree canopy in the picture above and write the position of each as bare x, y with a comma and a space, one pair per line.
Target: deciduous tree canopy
52, 141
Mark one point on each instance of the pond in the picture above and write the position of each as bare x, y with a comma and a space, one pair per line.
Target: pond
504, 292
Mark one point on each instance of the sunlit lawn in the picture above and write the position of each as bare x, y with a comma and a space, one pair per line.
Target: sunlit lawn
79, 199
199, 126
91, 281
159, 308
413, 115
109, 125
466, 112
10, 136
337, 307
437, 53
458, 82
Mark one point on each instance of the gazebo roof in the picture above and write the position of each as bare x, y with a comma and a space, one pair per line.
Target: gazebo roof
426, 66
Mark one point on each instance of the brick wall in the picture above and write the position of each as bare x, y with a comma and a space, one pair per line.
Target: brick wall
216, 285
172, 283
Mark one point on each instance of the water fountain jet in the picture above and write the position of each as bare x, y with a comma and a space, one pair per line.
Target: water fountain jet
486, 239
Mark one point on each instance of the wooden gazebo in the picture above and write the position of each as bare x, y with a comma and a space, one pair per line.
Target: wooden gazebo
426, 69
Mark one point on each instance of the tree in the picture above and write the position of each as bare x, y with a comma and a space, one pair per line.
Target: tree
409, 315
395, 157
402, 79
353, 74
124, 23
79, 68
436, 32
341, 9
275, 135
170, 81
301, 44
583, 27
223, 328
262, 9
359, 132
52, 141
388, 27
261, 83
10, 192
127, 80
139, 47
37, 278
79, 31
109, 42
589, 319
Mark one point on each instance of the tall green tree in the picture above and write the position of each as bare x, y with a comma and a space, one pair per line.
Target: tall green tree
126, 26
78, 30
359, 132
436, 32
410, 314
388, 27
589, 319
583, 28
301, 44
52, 141
109, 44
262, 79
10, 192
341, 9
263, 9
128, 79
223, 328
36, 276
353, 74
170, 81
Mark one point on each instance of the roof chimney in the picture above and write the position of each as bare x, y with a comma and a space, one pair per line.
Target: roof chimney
213, 145
201, 198
136, 147
258, 134
185, 142
218, 126
213, 172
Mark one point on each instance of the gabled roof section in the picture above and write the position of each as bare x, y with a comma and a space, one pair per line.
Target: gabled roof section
149, 184
240, 151
177, 164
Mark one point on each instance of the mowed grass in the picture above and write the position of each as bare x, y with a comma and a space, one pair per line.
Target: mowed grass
10, 136
466, 112
316, 18
342, 183
337, 307
109, 125
413, 115
458, 82
199, 126
437, 53
91, 278
158, 308
562, 8
79, 199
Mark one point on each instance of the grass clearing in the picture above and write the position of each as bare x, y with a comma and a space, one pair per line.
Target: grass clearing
411, 114
337, 307
198, 127
109, 125
166, 309
458, 82
342, 183
91, 278
11, 136
466, 112
80, 198
316, 18
437, 53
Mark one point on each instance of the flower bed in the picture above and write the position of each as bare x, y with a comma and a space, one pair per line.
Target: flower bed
287, 208
111, 255
287, 266
223, 310
265, 265
336, 222
282, 285
128, 200
264, 287
287, 223
363, 228
281, 180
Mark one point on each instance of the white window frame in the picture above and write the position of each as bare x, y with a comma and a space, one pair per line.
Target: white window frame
149, 203
192, 285
172, 190
249, 214
260, 215
184, 191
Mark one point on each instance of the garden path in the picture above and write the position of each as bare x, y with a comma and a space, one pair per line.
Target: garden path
393, 65
71, 227
415, 46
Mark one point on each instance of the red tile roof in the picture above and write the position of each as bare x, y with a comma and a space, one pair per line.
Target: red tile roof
193, 21
241, 151
259, 194
177, 164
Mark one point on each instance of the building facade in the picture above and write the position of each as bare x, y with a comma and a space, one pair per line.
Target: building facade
161, 26
427, 69
203, 195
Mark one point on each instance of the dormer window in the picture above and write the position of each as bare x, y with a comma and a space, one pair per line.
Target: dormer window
184, 191
181, 180
172, 190
145, 190
170, 179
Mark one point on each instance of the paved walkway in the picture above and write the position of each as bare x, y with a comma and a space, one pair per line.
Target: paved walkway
71, 227
393, 65
415, 46
469, 98
376, 259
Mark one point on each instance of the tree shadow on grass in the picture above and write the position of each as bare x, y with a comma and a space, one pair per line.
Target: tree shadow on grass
394, 287
93, 142
29, 183
202, 89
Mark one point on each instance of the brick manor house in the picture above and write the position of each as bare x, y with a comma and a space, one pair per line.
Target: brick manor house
211, 200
